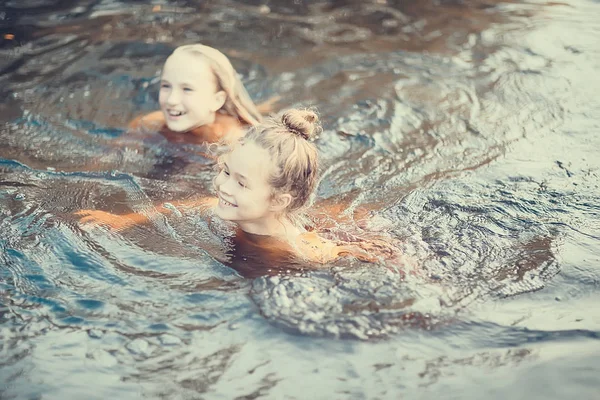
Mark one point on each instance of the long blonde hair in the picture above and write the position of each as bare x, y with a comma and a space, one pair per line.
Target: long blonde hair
238, 103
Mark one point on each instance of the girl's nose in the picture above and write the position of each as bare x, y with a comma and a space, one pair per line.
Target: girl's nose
173, 98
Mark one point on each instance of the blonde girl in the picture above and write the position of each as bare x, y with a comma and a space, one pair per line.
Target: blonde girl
201, 97
264, 184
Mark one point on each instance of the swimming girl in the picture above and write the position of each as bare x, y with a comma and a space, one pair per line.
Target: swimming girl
264, 183
201, 97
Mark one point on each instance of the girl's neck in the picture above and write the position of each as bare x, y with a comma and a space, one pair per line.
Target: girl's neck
208, 130
280, 227
215, 131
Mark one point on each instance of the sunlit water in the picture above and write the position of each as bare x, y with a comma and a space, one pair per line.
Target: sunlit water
469, 129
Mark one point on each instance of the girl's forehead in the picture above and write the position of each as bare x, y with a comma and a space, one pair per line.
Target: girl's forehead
249, 159
189, 66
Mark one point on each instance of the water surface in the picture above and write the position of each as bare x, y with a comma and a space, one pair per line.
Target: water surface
470, 130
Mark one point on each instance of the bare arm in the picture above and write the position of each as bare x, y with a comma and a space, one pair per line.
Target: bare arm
267, 106
320, 250
125, 221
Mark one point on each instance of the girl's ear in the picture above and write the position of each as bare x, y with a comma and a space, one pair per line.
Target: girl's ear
280, 202
219, 100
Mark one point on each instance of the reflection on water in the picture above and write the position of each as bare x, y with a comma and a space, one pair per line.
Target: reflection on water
466, 131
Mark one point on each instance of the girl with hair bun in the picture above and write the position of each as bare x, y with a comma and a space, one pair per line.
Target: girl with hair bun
264, 184
201, 97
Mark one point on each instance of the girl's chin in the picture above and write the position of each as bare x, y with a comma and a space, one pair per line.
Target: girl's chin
221, 212
178, 128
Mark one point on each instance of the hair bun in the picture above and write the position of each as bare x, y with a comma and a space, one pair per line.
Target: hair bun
303, 123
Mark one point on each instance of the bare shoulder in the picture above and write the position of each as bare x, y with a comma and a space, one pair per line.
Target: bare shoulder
154, 119
231, 128
316, 248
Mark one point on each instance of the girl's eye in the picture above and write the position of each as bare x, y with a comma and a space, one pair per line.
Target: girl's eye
226, 172
187, 89
242, 185
165, 86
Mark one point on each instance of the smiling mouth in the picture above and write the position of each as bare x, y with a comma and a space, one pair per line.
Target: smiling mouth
225, 203
175, 113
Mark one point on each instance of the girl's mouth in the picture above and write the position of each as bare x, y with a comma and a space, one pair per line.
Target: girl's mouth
175, 114
225, 203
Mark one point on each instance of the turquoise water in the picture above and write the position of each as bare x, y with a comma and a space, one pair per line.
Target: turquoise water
470, 128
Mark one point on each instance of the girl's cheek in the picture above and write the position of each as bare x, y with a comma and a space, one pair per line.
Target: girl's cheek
162, 97
220, 179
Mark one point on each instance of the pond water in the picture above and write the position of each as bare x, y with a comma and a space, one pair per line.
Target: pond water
470, 129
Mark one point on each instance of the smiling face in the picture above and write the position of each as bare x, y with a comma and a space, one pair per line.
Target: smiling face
189, 96
245, 196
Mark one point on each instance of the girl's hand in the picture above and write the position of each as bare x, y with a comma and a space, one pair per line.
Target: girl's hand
113, 221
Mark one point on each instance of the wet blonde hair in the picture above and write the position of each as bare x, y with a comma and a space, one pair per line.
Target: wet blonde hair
294, 157
238, 103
